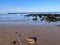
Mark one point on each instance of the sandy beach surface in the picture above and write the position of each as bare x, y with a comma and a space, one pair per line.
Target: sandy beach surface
46, 35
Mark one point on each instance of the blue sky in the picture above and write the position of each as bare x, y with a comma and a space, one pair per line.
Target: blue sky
29, 5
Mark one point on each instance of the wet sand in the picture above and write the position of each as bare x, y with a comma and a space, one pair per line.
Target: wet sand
46, 35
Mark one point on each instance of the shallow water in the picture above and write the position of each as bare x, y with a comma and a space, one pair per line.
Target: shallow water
12, 17
21, 19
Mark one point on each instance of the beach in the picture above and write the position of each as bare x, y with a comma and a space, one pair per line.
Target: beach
46, 35
29, 22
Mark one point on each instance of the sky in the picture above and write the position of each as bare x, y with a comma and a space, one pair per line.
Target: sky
29, 6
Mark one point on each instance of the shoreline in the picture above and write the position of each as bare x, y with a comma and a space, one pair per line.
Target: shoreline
28, 22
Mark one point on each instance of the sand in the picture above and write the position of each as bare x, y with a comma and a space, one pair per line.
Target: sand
15, 34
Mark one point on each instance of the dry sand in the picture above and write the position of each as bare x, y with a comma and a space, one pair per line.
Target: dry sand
46, 35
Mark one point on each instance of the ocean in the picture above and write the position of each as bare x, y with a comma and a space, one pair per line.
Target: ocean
21, 19
12, 17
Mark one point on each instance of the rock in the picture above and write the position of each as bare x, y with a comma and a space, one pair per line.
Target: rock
14, 42
58, 25
32, 40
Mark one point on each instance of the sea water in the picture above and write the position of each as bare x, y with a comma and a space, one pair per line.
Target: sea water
21, 19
